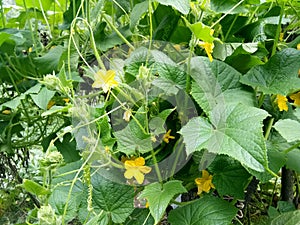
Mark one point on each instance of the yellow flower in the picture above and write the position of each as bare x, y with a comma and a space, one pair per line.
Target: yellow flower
50, 104
298, 46
167, 136
204, 183
296, 98
282, 103
136, 168
66, 100
6, 112
147, 205
208, 47
105, 80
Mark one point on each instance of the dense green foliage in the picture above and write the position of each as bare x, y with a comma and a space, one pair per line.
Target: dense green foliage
149, 112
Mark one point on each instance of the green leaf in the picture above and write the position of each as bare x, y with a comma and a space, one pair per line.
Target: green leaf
224, 6
45, 5
182, 6
34, 188
217, 83
288, 218
293, 161
171, 78
289, 129
159, 196
68, 148
56, 109
133, 138
50, 61
113, 39
60, 196
13, 104
207, 210
3, 37
157, 123
136, 13
63, 79
201, 31
140, 216
34, 90
115, 199
229, 178
278, 76
43, 97
222, 135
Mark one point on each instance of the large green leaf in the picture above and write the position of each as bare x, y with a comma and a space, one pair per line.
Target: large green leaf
289, 129
159, 196
50, 61
217, 84
234, 130
288, 218
182, 6
207, 210
60, 196
224, 6
278, 76
230, 178
115, 199
293, 160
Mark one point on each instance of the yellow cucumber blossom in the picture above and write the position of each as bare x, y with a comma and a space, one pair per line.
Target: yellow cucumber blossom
204, 183
296, 98
208, 47
105, 80
136, 168
282, 103
168, 136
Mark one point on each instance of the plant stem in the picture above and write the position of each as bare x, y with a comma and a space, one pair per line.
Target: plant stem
270, 124
230, 28
117, 31
278, 31
228, 12
291, 148
156, 166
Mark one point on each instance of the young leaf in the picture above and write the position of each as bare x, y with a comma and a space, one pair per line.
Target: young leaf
207, 210
202, 32
159, 196
289, 129
222, 135
34, 188
278, 76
